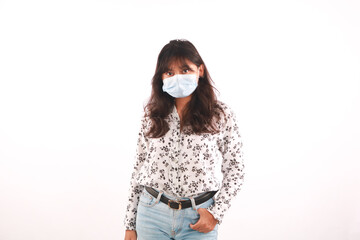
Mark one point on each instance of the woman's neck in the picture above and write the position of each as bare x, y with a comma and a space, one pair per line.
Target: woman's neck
181, 102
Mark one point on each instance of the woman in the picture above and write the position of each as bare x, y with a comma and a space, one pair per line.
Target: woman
189, 160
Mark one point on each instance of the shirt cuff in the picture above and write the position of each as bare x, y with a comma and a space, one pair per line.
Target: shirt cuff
129, 225
215, 211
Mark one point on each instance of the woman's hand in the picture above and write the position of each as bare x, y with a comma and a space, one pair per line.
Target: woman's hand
206, 223
130, 235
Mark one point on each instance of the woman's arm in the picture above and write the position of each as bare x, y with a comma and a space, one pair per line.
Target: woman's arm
232, 167
135, 189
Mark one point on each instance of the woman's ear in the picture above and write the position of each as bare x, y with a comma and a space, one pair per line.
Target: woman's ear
201, 70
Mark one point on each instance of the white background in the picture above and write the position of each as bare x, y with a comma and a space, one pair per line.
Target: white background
74, 76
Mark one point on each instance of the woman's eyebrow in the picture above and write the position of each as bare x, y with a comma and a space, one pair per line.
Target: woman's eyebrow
185, 66
182, 67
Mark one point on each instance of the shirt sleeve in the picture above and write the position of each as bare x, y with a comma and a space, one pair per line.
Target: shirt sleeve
135, 189
232, 168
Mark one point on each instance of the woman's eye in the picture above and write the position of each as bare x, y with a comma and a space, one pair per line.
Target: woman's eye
186, 70
168, 73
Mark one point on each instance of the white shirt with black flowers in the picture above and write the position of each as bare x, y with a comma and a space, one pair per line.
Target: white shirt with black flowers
185, 165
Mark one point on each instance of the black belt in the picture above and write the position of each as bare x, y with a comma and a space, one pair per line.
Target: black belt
181, 204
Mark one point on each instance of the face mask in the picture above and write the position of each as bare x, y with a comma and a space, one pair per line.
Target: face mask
180, 85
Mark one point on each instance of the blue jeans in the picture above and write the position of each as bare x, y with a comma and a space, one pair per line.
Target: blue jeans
155, 220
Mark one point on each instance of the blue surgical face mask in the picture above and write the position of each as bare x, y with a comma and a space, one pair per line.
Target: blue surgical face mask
180, 85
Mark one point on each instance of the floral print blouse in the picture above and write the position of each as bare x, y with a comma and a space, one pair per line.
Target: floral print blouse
186, 165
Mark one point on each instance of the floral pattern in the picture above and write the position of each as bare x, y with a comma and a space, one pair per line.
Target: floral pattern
183, 164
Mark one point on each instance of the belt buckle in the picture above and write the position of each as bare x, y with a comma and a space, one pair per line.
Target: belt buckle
174, 201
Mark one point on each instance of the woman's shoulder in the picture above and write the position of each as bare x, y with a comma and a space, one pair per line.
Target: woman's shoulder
222, 104
145, 119
146, 112
228, 110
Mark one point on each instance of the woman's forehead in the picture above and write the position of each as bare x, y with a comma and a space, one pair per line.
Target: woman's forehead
179, 63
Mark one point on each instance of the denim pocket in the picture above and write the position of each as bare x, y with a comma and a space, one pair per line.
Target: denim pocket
194, 213
146, 199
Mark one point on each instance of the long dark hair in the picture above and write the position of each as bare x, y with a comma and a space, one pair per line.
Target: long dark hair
199, 112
